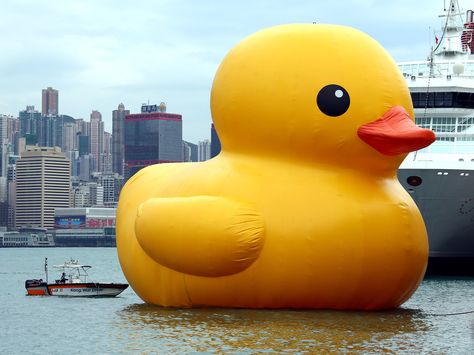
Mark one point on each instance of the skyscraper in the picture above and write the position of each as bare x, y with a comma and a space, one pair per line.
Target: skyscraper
4, 121
43, 182
118, 137
204, 150
96, 137
4, 144
106, 156
152, 137
69, 137
83, 127
83, 144
29, 122
50, 102
190, 152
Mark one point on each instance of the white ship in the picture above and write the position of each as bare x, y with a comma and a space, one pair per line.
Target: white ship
440, 178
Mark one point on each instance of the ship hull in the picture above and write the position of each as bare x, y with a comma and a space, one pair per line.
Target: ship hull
86, 289
445, 199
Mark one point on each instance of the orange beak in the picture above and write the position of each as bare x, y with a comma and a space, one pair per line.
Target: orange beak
395, 133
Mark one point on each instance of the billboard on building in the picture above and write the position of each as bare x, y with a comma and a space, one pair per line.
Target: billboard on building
100, 222
69, 222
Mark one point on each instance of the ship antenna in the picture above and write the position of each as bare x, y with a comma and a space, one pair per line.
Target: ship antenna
46, 268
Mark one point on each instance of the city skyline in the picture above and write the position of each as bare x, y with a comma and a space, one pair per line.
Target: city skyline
99, 54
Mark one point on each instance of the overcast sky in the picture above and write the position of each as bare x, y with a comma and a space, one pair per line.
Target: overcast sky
99, 53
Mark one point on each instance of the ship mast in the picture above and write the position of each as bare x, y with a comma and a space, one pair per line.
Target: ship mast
456, 38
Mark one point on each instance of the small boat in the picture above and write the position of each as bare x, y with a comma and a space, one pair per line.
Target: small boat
72, 283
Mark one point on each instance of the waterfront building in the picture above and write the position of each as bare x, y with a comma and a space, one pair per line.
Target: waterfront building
86, 217
215, 142
118, 138
152, 137
96, 136
50, 101
26, 237
42, 184
85, 227
204, 150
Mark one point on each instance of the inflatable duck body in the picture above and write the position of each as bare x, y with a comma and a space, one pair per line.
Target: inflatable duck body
302, 208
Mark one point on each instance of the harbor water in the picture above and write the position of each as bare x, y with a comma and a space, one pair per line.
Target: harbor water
439, 319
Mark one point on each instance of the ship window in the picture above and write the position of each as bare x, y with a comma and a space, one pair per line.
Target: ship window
439, 99
443, 99
448, 99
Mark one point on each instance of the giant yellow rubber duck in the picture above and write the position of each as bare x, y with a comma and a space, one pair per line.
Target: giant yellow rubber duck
302, 207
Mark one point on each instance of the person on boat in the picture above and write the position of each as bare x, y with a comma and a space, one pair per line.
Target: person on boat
63, 278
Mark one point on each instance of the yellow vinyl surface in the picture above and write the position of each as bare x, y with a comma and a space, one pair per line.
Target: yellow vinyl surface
296, 211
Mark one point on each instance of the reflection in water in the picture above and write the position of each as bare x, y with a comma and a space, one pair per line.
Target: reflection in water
152, 328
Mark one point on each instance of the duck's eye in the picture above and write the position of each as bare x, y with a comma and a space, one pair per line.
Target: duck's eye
333, 100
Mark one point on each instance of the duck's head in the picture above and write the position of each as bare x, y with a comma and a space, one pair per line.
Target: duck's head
317, 93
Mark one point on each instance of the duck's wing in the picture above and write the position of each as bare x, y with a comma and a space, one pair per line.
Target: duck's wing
200, 235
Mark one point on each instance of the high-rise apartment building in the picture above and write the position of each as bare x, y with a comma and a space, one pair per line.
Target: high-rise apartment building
85, 163
96, 139
118, 138
109, 182
4, 124
46, 129
50, 102
83, 144
4, 144
29, 121
190, 152
43, 183
204, 150
106, 156
83, 127
69, 141
13, 129
152, 137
